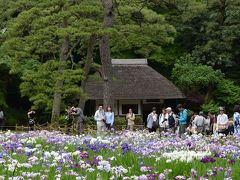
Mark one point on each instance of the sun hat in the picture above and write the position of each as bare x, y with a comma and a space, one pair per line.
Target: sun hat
169, 109
221, 109
201, 113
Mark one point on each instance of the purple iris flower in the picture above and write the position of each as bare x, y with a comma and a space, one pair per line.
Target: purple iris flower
208, 159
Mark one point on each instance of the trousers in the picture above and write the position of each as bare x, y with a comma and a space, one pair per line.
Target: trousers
101, 127
79, 127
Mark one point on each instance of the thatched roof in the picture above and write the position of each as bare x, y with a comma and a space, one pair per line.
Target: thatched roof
134, 79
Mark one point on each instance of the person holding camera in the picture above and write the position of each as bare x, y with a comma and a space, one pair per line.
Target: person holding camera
78, 113
31, 119
100, 119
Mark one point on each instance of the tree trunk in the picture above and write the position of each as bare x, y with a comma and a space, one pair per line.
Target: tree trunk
57, 97
87, 66
105, 54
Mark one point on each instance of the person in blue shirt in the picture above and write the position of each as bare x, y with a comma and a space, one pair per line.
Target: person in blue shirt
182, 119
109, 117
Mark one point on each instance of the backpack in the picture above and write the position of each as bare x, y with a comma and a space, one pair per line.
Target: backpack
171, 121
189, 118
31, 121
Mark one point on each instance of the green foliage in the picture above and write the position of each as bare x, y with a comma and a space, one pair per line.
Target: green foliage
210, 106
228, 93
140, 29
32, 42
190, 76
42, 81
221, 34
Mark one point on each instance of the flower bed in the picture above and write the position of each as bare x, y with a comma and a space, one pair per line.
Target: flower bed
126, 155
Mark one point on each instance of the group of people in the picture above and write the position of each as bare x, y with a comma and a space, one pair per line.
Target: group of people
166, 121
105, 119
182, 122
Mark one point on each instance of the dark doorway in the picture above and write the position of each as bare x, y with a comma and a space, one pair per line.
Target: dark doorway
147, 108
90, 108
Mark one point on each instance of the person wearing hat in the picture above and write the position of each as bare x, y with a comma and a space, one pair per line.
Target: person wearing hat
152, 120
171, 121
199, 122
222, 122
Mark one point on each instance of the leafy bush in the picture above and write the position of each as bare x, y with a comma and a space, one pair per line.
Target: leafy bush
190, 76
138, 120
228, 93
210, 106
90, 120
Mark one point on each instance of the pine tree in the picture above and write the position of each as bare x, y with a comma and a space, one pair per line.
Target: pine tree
41, 44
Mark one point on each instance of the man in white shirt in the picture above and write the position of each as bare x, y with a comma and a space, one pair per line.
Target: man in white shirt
100, 118
222, 122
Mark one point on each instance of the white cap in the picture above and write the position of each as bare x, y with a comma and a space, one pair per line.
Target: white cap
169, 109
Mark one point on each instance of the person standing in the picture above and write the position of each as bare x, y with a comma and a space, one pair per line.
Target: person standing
199, 122
163, 120
2, 119
109, 114
236, 119
222, 122
213, 122
31, 119
182, 119
152, 120
171, 121
130, 117
100, 119
69, 117
207, 126
78, 113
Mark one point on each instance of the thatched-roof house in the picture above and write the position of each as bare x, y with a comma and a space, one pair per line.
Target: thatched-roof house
135, 85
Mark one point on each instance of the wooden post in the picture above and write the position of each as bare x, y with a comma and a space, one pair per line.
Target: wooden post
118, 104
141, 104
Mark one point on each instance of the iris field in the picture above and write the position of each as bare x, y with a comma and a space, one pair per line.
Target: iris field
123, 155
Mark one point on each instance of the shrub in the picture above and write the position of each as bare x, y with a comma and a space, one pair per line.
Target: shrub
210, 106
